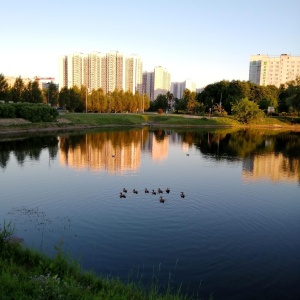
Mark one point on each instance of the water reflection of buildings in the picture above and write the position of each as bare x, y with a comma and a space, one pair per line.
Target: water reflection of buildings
160, 148
273, 167
98, 153
107, 157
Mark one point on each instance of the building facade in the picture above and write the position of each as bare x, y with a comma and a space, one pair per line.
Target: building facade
156, 82
109, 71
273, 70
177, 88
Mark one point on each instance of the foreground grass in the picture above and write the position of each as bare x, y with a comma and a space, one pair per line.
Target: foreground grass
27, 274
151, 119
75, 121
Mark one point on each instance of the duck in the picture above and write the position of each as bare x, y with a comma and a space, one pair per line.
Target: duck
187, 154
161, 199
159, 191
153, 192
135, 191
124, 190
167, 190
122, 195
182, 195
146, 191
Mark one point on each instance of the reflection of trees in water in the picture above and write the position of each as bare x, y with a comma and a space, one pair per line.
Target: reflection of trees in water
29, 147
159, 135
288, 144
222, 144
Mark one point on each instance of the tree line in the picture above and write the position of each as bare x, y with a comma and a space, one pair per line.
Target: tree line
220, 98
73, 99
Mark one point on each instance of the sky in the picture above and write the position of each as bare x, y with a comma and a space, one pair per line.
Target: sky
206, 41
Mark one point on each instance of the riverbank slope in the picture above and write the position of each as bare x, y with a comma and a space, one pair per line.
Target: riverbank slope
78, 121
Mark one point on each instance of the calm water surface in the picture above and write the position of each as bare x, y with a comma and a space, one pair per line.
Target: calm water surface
235, 234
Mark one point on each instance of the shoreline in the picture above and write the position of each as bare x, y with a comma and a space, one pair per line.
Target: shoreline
21, 126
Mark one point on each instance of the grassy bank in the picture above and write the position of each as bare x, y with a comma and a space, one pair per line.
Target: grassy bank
147, 119
27, 274
75, 121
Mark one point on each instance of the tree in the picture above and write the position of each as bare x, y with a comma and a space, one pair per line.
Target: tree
32, 93
170, 98
4, 91
161, 102
289, 95
17, 90
293, 102
146, 102
75, 101
246, 111
219, 110
64, 97
51, 94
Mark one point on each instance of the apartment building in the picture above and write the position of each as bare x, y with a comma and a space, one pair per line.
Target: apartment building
134, 74
109, 71
156, 82
273, 70
177, 88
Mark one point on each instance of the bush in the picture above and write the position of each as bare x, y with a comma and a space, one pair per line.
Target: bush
246, 111
31, 112
7, 111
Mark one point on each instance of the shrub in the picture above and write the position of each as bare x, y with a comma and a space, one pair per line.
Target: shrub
36, 113
246, 111
7, 111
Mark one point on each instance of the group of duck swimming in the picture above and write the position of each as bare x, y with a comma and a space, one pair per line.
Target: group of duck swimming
159, 191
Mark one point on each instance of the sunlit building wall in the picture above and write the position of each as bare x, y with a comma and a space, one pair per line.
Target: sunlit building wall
96, 70
273, 70
74, 69
63, 71
162, 81
134, 74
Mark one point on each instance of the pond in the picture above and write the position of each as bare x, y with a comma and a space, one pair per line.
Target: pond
235, 233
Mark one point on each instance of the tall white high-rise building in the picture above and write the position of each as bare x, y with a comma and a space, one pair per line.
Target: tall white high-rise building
108, 71
63, 71
74, 76
162, 81
156, 82
134, 74
273, 70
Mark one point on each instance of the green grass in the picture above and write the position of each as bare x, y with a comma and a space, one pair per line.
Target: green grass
152, 119
27, 274
166, 120
105, 119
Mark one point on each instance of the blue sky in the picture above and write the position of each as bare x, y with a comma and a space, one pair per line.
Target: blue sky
206, 41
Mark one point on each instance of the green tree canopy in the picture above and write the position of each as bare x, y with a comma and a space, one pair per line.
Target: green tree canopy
246, 111
32, 93
16, 92
4, 91
51, 94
